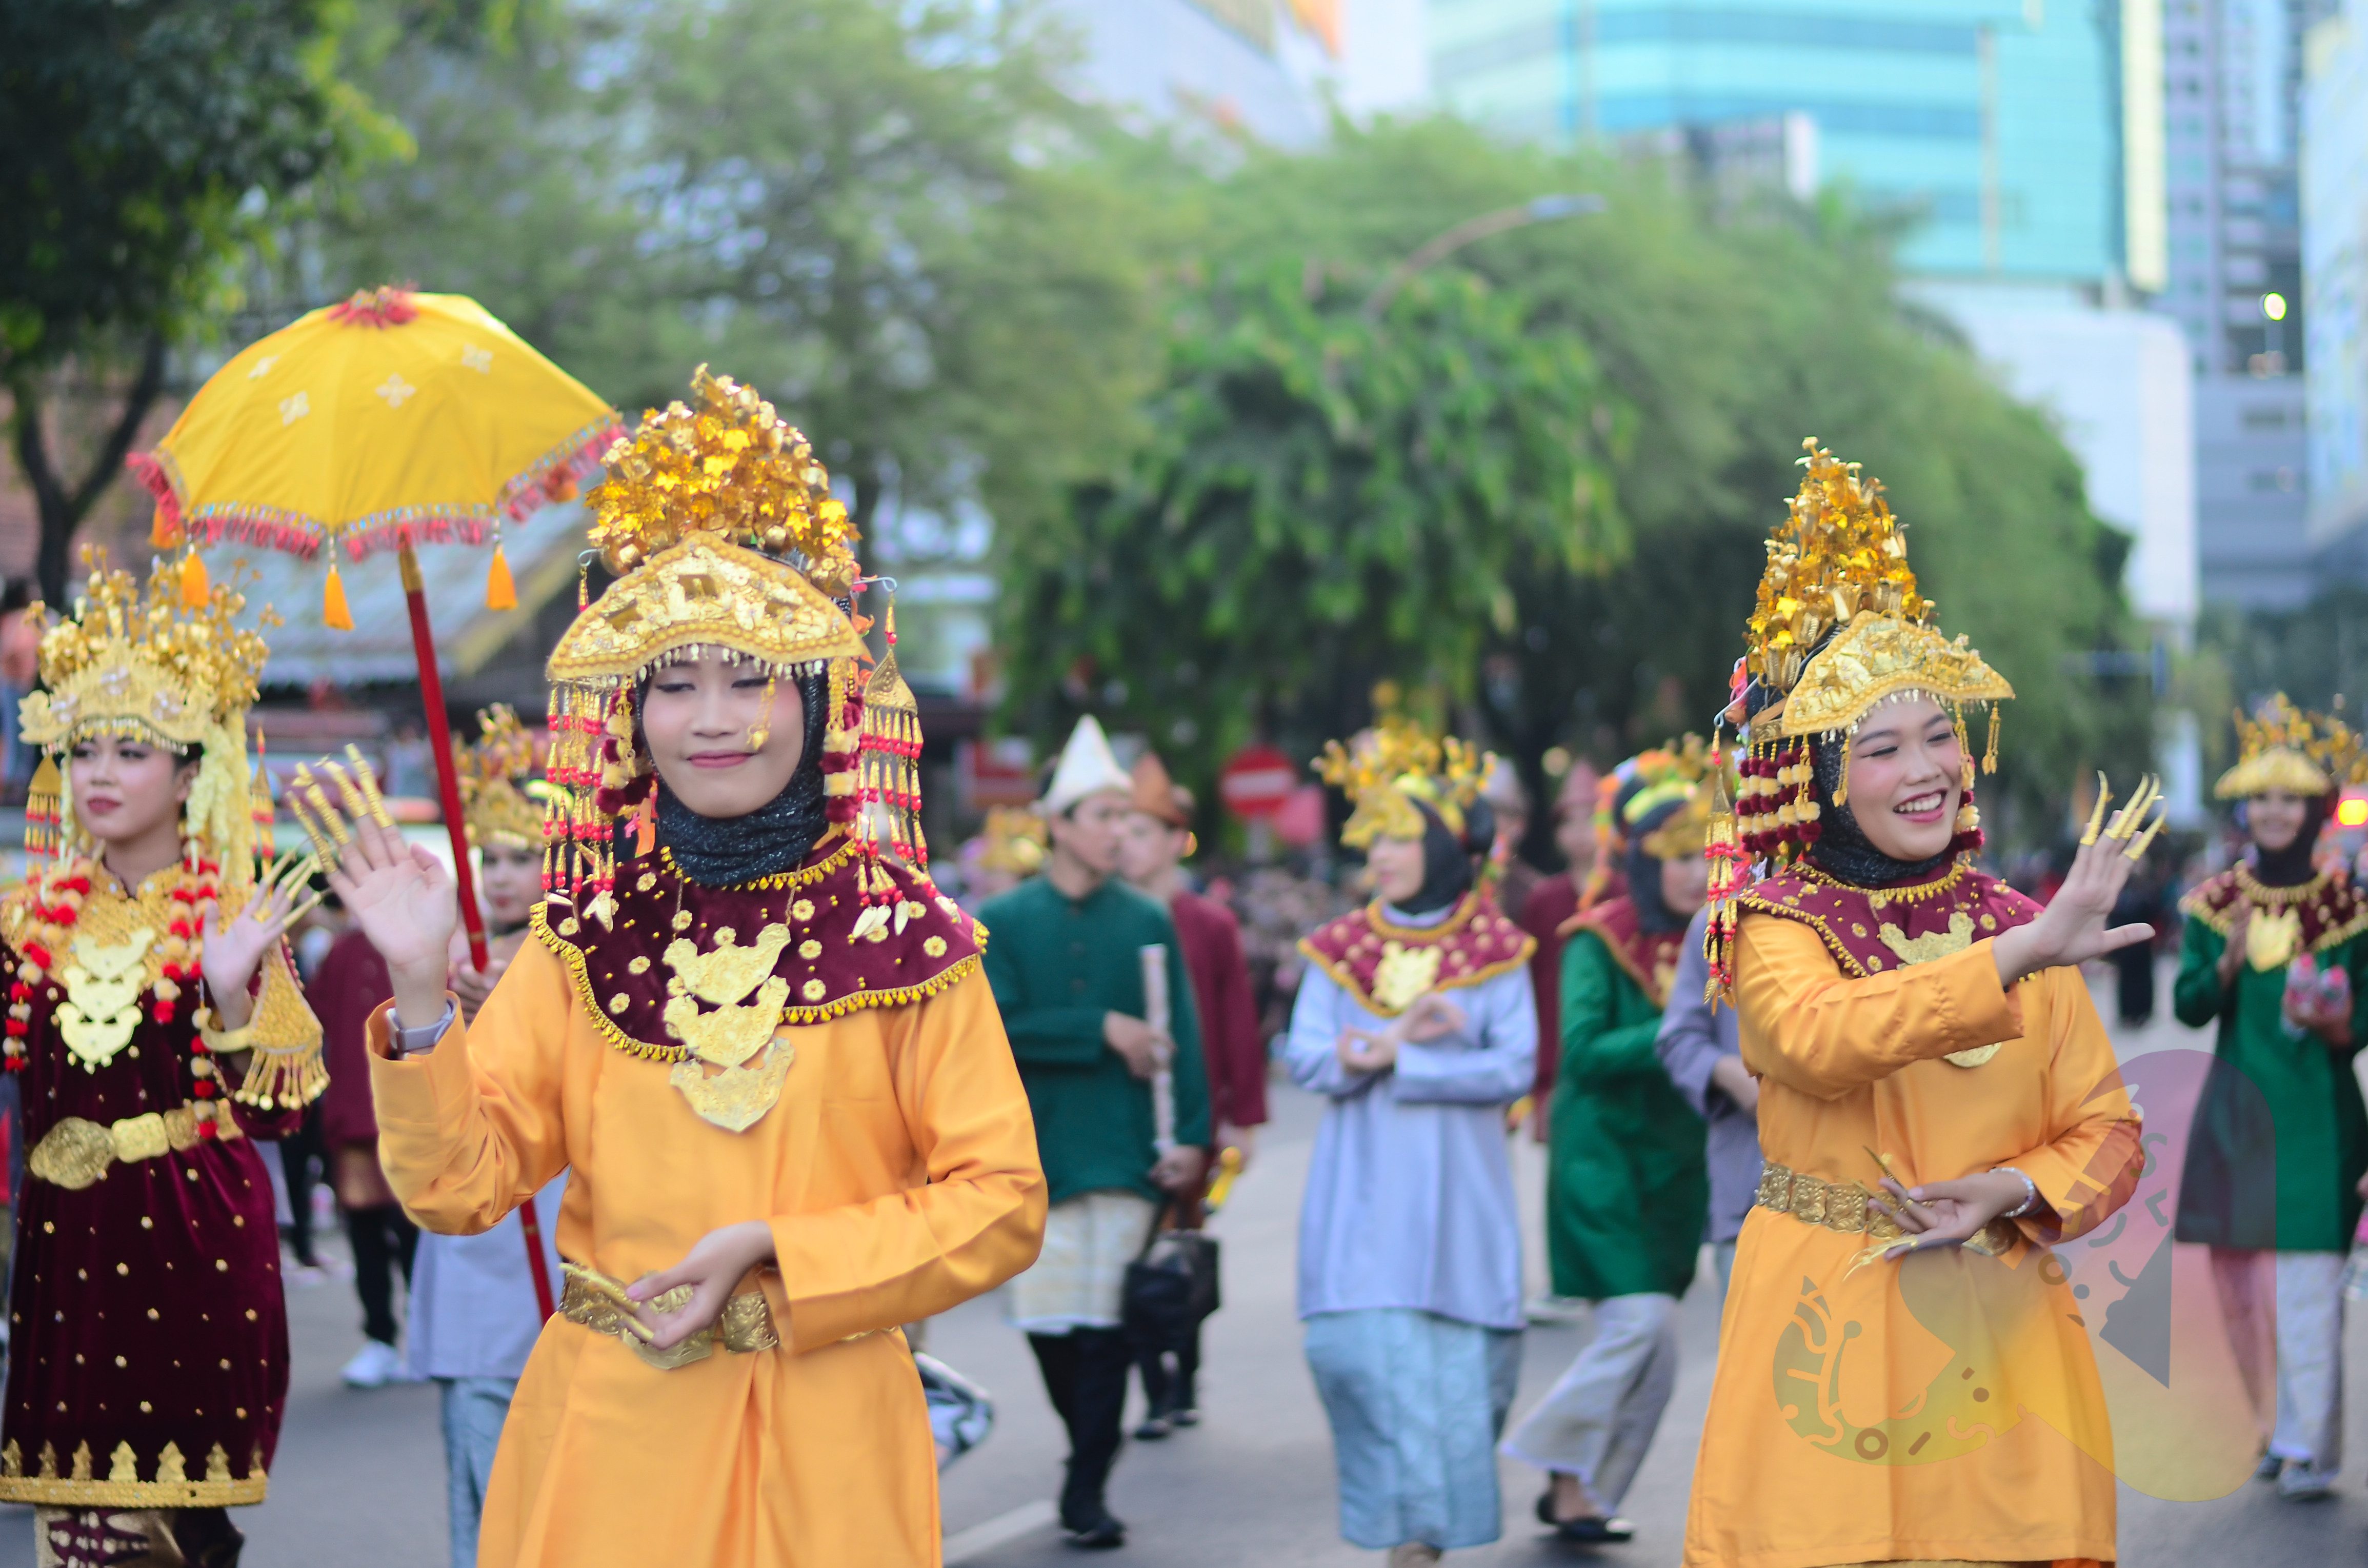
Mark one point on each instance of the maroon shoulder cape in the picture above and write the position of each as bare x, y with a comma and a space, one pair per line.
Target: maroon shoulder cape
1649, 958
1366, 953
832, 959
1875, 930
2330, 909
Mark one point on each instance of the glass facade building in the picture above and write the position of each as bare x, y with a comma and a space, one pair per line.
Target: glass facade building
1996, 120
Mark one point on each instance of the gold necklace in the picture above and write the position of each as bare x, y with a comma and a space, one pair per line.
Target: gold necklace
2258, 892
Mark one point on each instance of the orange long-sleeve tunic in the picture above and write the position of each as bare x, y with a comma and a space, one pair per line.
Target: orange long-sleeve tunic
1946, 1405
899, 1174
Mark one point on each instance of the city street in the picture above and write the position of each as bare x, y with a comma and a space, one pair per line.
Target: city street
359, 1480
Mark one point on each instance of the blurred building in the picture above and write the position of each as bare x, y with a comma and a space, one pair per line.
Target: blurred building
1994, 119
1272, 69
2023, 139
2232, 78
2334, 184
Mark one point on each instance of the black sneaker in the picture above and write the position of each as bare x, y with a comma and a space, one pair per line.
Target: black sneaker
1187, 1416
1102, 1535
1153, 1427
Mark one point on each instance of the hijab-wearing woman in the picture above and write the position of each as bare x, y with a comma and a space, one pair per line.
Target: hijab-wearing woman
2276, 954
1626, 1186
763, 1054
1416, 1021
1902, 1374
158, 1028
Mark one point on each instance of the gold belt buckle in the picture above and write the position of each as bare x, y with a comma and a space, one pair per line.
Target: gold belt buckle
140, 1137
745, 1327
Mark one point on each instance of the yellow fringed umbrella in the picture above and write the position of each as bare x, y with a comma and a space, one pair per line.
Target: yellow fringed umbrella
392, 420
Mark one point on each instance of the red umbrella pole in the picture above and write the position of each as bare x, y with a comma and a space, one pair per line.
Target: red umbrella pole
440, 740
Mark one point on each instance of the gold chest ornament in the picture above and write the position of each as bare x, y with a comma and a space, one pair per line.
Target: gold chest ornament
103, 986
1404, 974
740, 1038
2273, 938
1935, 944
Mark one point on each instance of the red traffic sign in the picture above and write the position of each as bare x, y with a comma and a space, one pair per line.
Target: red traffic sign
1257, 782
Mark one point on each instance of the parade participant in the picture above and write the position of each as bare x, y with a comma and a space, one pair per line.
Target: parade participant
1067, 970
1157, 837
1584, 842
351, 985
2276, 952
1626, 1192
1414, 1020
148, 1324
1007, 851
759, 1046
1515, 878
477, 1302
1700, 1048
1939, 1101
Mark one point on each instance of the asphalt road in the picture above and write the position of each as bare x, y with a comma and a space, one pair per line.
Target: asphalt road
359, 1481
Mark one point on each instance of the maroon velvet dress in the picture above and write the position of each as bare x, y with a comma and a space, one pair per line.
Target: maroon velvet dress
148, 1330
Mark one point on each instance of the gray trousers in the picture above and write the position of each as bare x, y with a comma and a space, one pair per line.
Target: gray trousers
1598, 1418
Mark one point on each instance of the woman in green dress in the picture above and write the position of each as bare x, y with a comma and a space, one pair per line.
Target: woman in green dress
2276, 951
1627, 1191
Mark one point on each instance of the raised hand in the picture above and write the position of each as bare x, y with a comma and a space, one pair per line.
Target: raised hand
2072, 929
234, 947
402, 897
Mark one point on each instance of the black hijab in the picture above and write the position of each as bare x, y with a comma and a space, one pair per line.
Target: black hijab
1446, 863
723, 852
2291, 866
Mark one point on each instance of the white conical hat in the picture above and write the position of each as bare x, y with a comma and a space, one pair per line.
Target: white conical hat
1088, 767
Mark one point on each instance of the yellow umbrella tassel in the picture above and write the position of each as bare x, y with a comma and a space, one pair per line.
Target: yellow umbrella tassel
333, 613
501, 592
194, 588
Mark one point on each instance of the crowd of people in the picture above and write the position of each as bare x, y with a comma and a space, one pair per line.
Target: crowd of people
669, 1180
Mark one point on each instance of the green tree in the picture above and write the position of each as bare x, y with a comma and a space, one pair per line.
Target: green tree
142, 144
1325, 501
1720, 339
885, 216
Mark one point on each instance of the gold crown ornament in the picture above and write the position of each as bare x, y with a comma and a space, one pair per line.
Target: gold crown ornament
719, 521
497, 789
156, 664
2285, 748
1395, 764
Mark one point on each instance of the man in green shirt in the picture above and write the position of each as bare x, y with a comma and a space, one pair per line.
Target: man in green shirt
1066, 965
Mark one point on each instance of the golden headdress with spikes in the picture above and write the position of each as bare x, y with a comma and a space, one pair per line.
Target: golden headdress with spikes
1840, 560
1395, 764
721, 523
496, 782
2287, 748
147, 664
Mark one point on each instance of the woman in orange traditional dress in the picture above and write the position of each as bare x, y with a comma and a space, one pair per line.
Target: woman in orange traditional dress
1902, 1374
765, 1055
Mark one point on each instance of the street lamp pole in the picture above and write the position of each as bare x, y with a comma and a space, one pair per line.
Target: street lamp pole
1543, 209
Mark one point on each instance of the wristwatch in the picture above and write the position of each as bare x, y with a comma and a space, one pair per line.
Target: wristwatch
403, 1042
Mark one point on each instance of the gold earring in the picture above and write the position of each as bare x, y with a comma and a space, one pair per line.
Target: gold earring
762, 730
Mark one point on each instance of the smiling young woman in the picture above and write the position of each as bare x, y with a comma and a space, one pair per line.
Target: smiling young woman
159, 1030
753, 1034
1921, 1033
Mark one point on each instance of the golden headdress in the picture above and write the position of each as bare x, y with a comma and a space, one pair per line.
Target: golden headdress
1395, 764
1679, 771
720, 522
497, 789
2286, 748
148, 663
1013, 841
